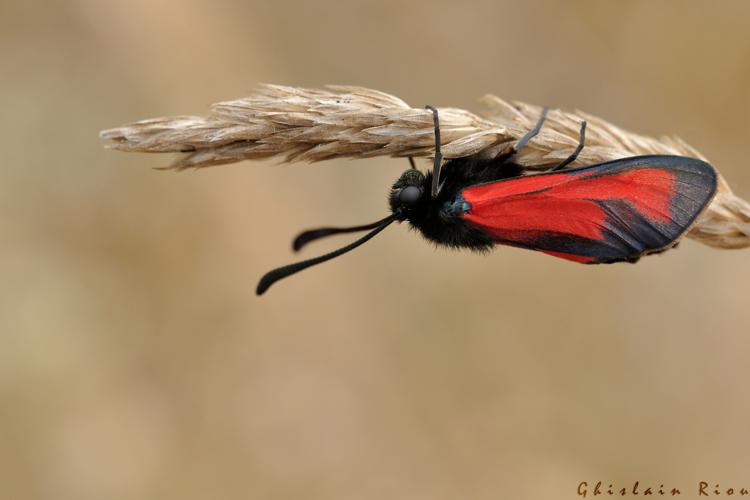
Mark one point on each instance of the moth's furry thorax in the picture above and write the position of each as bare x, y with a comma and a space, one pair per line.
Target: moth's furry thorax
433, 217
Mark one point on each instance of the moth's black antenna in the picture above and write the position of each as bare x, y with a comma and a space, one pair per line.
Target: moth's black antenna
581, 139
438, 162
313, 234
533, 132
282, 272
411, 162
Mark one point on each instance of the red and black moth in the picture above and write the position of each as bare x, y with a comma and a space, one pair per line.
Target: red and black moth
617, 211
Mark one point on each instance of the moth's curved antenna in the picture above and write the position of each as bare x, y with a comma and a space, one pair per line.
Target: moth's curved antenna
438, 162
313, 234
272, 277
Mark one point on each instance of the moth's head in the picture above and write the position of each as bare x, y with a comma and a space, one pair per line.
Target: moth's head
407, 193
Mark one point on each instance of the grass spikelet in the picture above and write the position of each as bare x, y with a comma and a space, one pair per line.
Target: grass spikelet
309, 125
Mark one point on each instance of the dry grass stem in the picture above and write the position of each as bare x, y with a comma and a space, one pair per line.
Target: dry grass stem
301, 124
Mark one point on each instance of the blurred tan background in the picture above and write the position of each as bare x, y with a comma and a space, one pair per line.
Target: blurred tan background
136, 362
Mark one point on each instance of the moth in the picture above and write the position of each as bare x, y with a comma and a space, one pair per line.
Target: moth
616, 211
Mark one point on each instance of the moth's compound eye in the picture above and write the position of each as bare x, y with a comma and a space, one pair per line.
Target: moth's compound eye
409, 196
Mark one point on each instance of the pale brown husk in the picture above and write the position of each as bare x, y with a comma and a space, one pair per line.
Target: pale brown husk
301, 124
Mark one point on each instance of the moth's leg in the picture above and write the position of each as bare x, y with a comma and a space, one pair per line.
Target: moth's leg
411, 162
438, 162
581, 139
503, 166
533, 132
